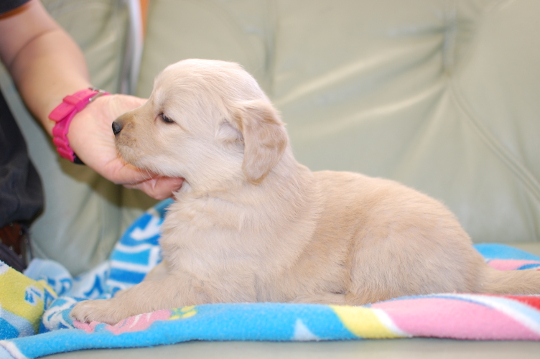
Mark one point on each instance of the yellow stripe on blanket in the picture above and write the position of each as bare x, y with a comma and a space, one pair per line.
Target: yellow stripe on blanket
22, 296
367, 323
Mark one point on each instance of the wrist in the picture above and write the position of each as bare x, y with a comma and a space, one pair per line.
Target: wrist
64, 113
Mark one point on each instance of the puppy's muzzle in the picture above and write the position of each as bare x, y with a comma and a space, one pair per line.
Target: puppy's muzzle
117, 127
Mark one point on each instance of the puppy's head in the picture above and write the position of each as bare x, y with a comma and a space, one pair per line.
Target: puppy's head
204, 120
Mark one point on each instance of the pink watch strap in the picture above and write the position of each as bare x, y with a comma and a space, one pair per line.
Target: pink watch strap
64, 113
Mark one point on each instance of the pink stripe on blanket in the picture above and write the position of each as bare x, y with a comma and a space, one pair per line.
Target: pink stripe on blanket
509, 264
454, 318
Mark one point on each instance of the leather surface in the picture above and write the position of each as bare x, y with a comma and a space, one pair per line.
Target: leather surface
365, 349
440, 95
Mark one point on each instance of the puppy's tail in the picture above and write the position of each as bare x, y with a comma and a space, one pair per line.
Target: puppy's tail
525, 281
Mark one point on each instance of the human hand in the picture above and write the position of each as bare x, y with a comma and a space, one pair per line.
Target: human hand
91, 137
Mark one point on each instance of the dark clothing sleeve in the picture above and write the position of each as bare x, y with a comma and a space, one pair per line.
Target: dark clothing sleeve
8, 5
21, 193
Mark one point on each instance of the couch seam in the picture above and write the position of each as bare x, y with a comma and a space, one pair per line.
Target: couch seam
449, 38
522, 174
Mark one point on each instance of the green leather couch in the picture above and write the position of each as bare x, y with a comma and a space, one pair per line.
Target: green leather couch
442, 95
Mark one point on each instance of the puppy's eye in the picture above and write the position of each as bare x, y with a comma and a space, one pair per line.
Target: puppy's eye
165, 119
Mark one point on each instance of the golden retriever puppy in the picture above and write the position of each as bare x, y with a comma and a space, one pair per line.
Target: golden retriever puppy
251, 224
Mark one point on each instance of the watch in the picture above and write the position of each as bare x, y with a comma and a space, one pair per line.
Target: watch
64, 113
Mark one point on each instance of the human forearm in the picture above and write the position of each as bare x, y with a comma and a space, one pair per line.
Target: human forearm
47, 65
44, 61
42, 90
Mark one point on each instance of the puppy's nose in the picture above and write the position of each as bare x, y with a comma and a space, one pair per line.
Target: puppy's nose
116, 127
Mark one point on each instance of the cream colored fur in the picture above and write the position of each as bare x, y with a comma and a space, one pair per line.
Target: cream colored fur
251, 224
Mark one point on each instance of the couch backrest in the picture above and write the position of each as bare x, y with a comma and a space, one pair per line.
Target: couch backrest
441, 95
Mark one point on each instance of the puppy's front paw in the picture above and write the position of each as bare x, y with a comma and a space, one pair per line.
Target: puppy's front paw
100, 310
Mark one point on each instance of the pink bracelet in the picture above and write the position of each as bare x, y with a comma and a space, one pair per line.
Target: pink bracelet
64, 113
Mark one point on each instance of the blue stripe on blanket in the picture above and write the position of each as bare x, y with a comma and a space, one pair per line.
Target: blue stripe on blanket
502, 251
126, 276
142, 257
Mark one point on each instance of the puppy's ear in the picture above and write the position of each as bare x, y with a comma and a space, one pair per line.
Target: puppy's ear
229, 133
265, 138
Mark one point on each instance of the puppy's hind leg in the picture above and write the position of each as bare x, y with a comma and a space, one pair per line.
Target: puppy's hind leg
149, 295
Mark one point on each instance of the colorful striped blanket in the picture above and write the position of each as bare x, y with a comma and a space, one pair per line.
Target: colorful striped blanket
34, 308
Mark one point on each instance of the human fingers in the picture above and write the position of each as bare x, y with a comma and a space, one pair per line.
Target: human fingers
158, 187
